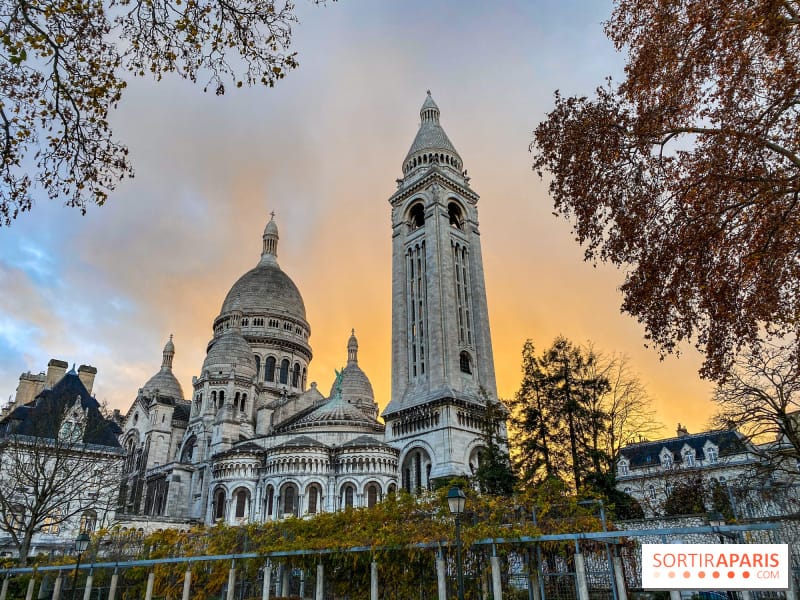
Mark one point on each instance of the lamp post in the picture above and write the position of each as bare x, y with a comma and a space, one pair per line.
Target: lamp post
81, 544
457, 500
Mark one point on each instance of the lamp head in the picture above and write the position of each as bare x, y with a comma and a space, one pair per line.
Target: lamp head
456, 500
82, 542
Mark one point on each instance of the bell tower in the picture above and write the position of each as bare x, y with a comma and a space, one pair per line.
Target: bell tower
442, 363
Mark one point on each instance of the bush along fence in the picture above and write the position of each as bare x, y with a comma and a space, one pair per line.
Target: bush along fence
402, 549
575, 566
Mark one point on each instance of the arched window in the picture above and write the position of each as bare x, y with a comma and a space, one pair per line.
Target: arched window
214, 399
243, 404
270, 501
465, 363
313, 499
258, 365
652, 490
372, 495
296, 375
219, 505
188, 450
284, 371
289, 500
347, 496
88, 521
416, 216
221, 399
392, 488
269, 369
454, 213
241, 503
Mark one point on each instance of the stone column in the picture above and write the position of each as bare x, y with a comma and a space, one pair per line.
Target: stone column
619, 576
151, 580
187, 584
441, 578
112, 588
497, 578
231, 582
580, 577
87, 590
267, 580
674, 595
791, 593
4, 591
56, 588
319, 588
373, 581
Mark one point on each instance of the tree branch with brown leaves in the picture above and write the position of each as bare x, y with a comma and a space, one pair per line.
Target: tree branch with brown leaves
63, 70
687, 173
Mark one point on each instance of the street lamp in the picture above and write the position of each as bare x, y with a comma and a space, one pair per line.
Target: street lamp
457, 500
81, 544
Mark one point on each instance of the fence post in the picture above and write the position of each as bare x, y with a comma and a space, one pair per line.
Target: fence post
791, 593
56, 588
619, 576
373, 580
441, 576
580, 575
320, 583
286, 576
4, 591
267, 578
87, 590
497, 579
232, 581
187, 583
112, 588
151, 579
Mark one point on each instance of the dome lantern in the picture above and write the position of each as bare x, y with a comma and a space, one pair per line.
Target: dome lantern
270, 237
352, 349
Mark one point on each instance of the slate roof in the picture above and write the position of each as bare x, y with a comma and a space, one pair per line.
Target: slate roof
648, 453
302, 441
364, 441
42, 417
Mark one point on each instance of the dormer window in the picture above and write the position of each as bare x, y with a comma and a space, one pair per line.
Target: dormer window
712, 454
666, 459
688, 456
623, 468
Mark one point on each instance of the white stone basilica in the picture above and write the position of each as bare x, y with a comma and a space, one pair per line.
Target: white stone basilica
254, 442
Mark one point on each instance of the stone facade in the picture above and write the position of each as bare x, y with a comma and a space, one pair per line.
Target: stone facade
255, 442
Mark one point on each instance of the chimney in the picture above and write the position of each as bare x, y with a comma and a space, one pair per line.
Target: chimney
682, 431
86, 374
29, 386
55, 371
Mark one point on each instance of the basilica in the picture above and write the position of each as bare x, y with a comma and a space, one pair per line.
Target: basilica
251, 440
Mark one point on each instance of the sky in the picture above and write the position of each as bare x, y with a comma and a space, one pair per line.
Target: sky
323, 149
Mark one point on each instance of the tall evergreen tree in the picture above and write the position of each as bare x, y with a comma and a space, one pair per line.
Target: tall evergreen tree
494, 474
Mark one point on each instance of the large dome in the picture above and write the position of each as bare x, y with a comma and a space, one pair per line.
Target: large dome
265, 289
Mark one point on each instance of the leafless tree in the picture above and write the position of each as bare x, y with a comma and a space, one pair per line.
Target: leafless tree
51, 478
761, 398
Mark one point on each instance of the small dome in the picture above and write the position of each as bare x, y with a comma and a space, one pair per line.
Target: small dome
338, 412
230, 351
354, 383
165, 381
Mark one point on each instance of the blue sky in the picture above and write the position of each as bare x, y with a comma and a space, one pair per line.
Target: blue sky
323, 149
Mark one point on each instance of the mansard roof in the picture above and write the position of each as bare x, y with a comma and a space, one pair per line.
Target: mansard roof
643, 454
42, 417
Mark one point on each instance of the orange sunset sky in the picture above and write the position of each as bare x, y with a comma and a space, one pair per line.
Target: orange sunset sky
322, 149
